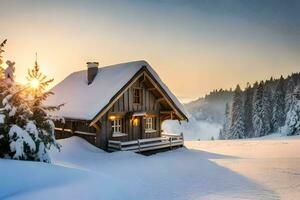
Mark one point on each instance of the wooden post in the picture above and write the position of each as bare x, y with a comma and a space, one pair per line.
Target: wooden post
181, 134
182, 137
98, 138
72, 127
101, 135
142, 127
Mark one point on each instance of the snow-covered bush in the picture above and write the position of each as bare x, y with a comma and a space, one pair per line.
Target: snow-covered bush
26, 130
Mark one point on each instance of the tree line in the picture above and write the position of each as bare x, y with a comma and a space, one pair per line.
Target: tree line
263, 108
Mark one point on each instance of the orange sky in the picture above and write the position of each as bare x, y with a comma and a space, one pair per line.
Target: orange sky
193, 51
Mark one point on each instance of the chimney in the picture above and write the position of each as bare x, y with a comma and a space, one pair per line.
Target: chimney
92, 71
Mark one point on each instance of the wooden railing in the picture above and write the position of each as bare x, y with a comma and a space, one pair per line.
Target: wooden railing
166, 141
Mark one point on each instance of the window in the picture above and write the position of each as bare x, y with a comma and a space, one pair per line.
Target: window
137, 95
116, 126
149, 124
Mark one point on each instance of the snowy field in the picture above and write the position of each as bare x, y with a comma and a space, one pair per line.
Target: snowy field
244, 169
273, 162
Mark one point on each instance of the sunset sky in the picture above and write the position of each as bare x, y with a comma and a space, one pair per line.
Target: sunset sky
195, 46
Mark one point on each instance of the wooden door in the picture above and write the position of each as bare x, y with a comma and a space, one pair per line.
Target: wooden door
137, 128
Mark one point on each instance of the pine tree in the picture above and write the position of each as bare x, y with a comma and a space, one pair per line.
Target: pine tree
278, 117
292, 123
40, 118
4, 144
266, 111
1, 57
26, 130
38, 81
248, 108
225, 131
237, 128
289, 99
221, 136
18, 144
257, 110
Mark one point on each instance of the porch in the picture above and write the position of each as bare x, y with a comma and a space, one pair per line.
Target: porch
142, 145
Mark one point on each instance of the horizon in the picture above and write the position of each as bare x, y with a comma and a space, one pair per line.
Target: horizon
206, 45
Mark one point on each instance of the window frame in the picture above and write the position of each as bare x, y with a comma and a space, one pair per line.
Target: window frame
149, 124
137, 95
117, 125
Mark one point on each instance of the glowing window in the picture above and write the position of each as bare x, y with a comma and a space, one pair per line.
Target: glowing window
149, 124
116, 125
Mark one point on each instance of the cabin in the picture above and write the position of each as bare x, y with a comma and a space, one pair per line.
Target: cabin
117, 107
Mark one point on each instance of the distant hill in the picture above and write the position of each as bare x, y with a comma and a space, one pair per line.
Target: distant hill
207, 116
210, 108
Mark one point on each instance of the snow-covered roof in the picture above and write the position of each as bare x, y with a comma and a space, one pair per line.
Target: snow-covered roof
83, 101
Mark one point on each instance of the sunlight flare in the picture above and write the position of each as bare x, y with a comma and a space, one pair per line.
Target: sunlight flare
34, 83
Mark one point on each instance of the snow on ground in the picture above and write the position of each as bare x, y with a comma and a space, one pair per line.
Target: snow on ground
245, 169
272, 163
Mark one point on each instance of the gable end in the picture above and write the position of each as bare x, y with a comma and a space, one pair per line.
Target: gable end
142, 72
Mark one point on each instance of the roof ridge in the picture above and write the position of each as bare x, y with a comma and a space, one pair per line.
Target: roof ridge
113, 65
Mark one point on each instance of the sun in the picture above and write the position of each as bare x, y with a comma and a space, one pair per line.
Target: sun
34, 83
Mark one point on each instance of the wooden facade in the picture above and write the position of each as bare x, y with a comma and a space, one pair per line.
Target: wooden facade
136, 112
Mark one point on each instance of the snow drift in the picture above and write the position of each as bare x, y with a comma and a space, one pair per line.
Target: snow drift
82, 171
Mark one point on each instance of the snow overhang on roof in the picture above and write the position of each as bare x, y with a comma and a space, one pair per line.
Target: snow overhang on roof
83, 101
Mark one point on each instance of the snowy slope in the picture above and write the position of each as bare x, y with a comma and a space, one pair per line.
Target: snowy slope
82, 171
83, 101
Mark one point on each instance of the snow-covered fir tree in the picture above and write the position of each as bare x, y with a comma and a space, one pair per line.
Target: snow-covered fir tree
225, 131
289, 98
26, 130
292, 123
248, 107
2, 44
257, 110
40, 118
237, 128
266, 110
265, 107
4, 145
278, 117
